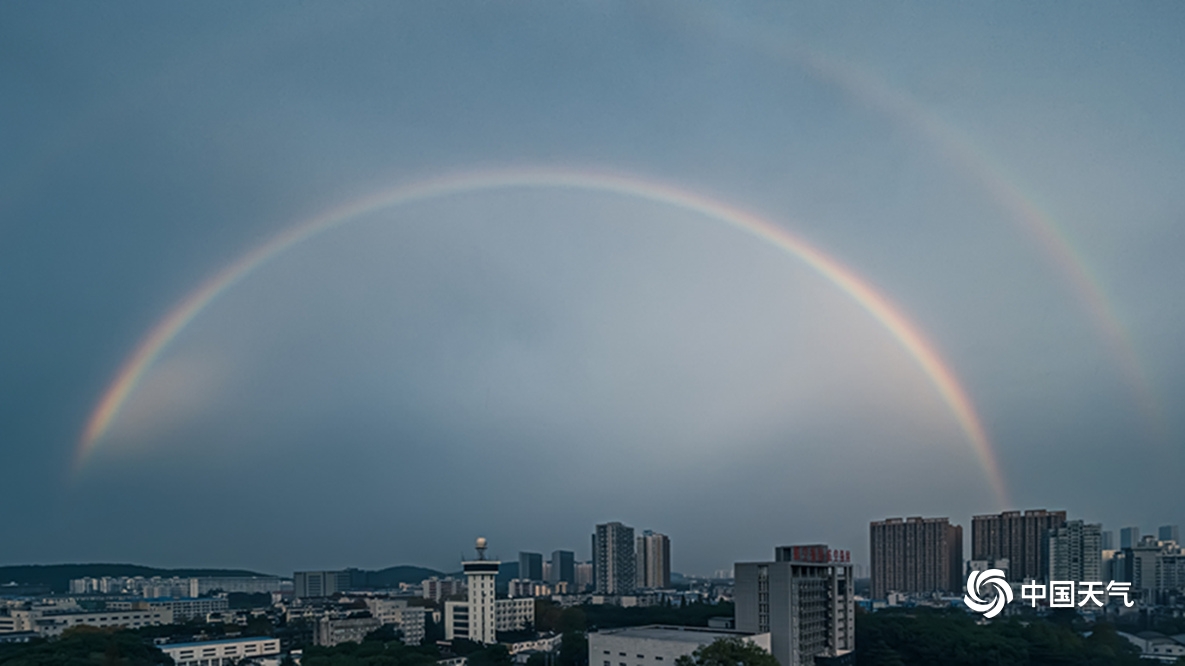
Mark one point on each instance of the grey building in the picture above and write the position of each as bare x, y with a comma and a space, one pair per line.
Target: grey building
1107, 540
916, 555
1022, 539
563, 567
614, 561
1129, 537
319, 583
530, 566
1075, 552
653, 551
1169, 533
804, 599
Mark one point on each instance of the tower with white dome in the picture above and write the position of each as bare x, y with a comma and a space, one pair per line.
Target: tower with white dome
481, 574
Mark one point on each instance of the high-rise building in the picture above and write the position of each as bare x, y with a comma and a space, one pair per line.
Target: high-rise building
1156, 570
1022, 539
1075, 552
584, 576
1107, 539
916, 555
319, 583
563, 567
474, 617
1129, 537
530, 566
614, 561
653, 565
1169, 533
804, 599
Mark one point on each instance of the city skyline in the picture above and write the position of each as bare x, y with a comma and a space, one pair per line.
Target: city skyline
310, 287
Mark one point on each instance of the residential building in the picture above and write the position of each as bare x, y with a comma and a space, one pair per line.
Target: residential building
221, 653
1129, 537
244, 584
182, 609
563, 567
614, 559
1021, 538
530, 566
653, 565
1107, 540
316, 584
916, 555
657, 645
584, 575
1156, 569
1075, 552
805, 601
439, 589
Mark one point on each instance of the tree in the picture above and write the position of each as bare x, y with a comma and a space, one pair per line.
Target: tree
728, 652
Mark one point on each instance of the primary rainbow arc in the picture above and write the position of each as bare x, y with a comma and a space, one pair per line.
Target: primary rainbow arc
937, 371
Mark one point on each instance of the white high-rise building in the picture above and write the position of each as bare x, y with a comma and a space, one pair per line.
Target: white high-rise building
481, 616
1076, 552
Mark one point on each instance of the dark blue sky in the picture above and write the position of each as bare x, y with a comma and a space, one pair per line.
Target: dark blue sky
525, 363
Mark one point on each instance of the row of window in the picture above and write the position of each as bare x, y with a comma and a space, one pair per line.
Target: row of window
641, 656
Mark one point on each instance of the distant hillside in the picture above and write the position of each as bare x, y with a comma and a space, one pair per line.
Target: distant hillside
393, 576
57, 576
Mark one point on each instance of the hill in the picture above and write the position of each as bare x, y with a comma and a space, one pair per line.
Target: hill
57, 576
393, 576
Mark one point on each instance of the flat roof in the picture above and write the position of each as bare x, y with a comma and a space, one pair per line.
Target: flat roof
223, 641
664, 632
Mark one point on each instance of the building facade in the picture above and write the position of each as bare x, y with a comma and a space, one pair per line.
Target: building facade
316, 584
1169, 533
221, 653
614, 559
916, 556
1129, 537
1076, 552
653, 566
804, 600
1022, 539
563, 567
530, 566
330, 631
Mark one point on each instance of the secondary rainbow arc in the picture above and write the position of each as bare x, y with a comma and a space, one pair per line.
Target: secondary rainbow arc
907, 335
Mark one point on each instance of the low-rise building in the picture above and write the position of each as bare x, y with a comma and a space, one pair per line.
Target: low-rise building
221, 653
409, 619
335, 631
54, 623
657, 645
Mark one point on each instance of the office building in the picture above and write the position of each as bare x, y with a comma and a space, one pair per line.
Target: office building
657, 645
804, 600
1156, 570
221, 653
316, 584
653, 565
1129, 537
1023, 539
916, 556
563, 567
1107, 540
614, 560
584, 575
530, 566
1075, 552
1169, 533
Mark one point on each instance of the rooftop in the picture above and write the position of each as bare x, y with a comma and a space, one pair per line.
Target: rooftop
224, 641
664, 632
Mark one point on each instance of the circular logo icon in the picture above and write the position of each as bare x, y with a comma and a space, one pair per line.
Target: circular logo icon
979, 582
